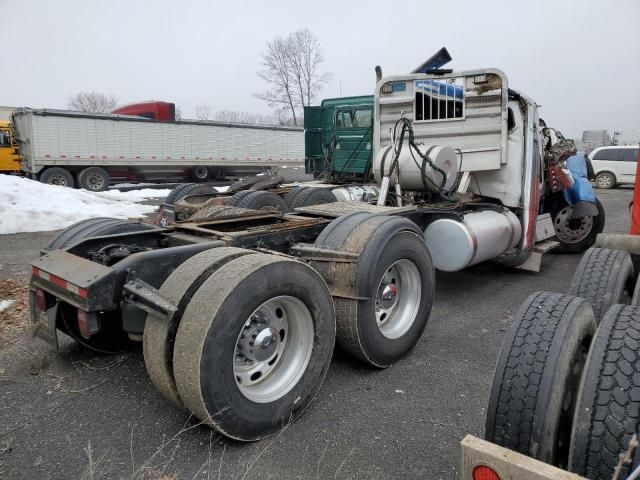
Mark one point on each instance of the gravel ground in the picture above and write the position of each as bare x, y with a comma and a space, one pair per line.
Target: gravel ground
62, 412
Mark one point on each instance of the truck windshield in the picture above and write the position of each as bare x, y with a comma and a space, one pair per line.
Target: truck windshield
4, 139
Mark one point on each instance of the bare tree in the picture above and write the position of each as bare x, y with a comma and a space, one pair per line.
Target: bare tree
93, 102
277, 73
305, 56
233, 116
178, 113
291, 68
203, 112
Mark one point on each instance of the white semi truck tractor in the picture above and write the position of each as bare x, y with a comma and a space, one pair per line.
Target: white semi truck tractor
238, 309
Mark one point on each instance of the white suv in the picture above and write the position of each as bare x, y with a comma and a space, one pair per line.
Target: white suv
614, 165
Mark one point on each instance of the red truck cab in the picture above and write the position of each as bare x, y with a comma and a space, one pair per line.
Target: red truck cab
159, 111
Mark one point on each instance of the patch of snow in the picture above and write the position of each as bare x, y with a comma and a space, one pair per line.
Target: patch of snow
222, 189
30, 206
123, 185
4, 304
133, 195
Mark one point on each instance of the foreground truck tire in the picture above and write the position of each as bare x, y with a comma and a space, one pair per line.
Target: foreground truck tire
95, 227
248, 364
604, 277
160, 334
383, 301
532, 399
608, 407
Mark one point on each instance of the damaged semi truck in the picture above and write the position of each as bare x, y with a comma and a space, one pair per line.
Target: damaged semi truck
238, 314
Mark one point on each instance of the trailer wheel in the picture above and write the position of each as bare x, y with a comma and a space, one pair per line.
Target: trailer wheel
175, 193
159, 334
236, 197
94, 179
254, 345
261, 200
533, 396
199, 173
604, 277
57, 176
312, 196
577, 234
608, 407
383, 301
194, 189
95, 227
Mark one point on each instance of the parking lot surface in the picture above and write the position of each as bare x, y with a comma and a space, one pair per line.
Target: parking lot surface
75, 414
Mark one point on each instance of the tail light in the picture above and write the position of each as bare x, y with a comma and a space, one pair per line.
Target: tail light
87, 323
482, 472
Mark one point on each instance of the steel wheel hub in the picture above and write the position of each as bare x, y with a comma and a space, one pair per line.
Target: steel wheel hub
398, 299
273, 349
57, 180
95, 182
572, 230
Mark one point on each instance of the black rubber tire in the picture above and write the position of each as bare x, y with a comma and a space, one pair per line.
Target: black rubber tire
176, 192
159, 334
291, 194
604, 277
379, 241
236, 197
603, 183
94, 179
532, 399
267, 182
580, 246
608, 409
205, 344
244, 184
260, 200
194, 189
57, 176
199, 173
635, 299
111, 338
95, 227
312, 196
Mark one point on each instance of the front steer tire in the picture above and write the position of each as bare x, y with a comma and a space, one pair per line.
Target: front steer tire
207, 361
576, 235
533, 396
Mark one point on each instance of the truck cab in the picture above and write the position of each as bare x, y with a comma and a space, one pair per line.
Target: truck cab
158, 111
338, 136
9, 157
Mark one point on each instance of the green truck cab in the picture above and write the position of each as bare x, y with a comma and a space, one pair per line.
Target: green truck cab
338, 139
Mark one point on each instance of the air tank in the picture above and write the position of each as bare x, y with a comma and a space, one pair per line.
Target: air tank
480, 236
442, 156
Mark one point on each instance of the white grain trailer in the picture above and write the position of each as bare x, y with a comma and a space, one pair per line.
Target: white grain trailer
94, 150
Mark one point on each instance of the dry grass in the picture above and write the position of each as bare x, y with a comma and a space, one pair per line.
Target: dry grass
15, 319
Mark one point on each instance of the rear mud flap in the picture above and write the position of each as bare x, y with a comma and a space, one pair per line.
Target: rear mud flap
44, 323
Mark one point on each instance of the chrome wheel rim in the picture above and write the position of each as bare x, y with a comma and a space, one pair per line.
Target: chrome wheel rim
273, 349
398, 299
95, 181
200, 172
57, 179
604, 181
572, 230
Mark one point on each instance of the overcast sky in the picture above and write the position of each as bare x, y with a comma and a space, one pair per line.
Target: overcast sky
579, 59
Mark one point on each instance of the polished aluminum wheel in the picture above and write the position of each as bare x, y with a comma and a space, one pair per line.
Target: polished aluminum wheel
273, 349
398, 299
572, 230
